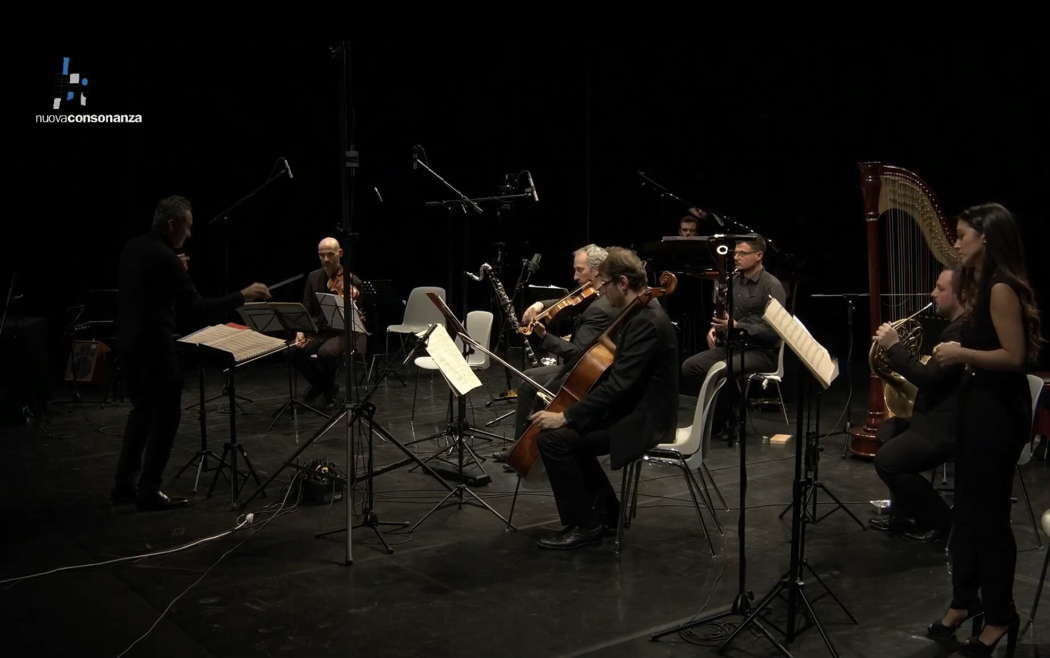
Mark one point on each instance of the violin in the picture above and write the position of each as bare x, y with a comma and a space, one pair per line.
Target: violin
574, 298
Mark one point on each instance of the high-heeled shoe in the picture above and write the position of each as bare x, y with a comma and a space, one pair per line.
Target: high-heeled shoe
941, 633
977, 649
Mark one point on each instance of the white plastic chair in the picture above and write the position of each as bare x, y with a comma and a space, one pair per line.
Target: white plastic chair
420, 313
479, 327
776, 377
685, 453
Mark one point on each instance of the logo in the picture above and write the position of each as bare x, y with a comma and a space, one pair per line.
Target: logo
68, 86
71, 96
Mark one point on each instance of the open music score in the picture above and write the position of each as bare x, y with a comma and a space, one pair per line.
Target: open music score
449, 359
798, 338
242, 344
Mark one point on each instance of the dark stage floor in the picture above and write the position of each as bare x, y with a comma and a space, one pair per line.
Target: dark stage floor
459, 585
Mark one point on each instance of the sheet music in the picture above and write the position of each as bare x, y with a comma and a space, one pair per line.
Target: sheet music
450, 362
801, 342
329, 304
242, 344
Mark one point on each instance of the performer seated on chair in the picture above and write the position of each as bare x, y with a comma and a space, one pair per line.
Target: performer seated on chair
317, 357
752, 287
585, 322
926, 440
632, 408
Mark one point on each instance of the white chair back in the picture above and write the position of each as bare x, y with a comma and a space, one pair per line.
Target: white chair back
479, 327
700, 430
420, 311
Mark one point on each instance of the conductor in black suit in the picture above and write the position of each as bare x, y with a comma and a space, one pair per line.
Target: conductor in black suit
632, 408
585, 322
155, 288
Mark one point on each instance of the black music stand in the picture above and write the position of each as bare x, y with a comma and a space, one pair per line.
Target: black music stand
285, 319
200, 458
793, 582
457, 432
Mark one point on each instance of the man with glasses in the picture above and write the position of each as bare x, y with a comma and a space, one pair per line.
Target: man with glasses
752, 287
631, 408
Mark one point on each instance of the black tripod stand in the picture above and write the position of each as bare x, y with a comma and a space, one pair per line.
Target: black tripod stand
351, 416
457, 433
742, 603
201, 457
793, 582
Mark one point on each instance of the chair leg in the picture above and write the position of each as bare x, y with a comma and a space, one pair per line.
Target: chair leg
783, 407
691, 485
705, 474
625, 505
415, 390
513, 503
1038, 593
1028, 502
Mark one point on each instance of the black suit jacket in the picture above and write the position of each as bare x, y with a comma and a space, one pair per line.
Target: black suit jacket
935, 411
154, 291
585, 326
637, 397
317, 281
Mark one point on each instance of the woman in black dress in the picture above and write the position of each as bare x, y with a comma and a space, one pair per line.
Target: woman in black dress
1000, 339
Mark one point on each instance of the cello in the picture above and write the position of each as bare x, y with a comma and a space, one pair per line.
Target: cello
591, 365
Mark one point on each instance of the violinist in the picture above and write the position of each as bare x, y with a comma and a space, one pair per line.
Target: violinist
317, 357
752, 287
630, 409
585, 321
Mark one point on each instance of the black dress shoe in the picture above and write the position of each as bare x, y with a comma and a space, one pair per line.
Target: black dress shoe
931, 536
158, 500
500, 456
891, 524
572, 537
123, 495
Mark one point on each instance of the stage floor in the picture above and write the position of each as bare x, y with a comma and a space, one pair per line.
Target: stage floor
460, 584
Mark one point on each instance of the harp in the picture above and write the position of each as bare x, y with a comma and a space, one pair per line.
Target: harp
909, 241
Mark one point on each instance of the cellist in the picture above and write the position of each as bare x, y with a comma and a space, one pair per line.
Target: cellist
629, 410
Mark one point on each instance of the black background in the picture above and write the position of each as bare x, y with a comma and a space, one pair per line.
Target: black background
766, 132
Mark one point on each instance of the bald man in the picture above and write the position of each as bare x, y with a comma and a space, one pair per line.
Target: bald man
317, 357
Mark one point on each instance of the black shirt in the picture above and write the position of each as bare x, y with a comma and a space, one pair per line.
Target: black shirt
154, 289
750, 295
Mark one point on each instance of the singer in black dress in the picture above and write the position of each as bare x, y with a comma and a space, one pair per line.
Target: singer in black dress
1001, 337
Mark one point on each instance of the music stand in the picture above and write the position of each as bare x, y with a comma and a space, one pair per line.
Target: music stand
459, 429
824, 370
287, 319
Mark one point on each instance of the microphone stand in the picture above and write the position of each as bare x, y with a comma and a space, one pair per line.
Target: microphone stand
224, 217
463, 202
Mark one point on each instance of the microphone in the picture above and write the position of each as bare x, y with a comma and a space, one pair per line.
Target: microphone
532, 187
375, 188
534, 264
287, 168
473, 277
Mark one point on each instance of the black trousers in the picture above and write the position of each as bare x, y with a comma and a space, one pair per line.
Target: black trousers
993, 425
906, 454
694, 370
155, 389
582, 491
528, 401
319, 359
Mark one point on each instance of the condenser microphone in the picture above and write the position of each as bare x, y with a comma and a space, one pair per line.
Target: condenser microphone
532, 187
287, 168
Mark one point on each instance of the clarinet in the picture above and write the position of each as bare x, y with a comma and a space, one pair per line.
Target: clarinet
508, 310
